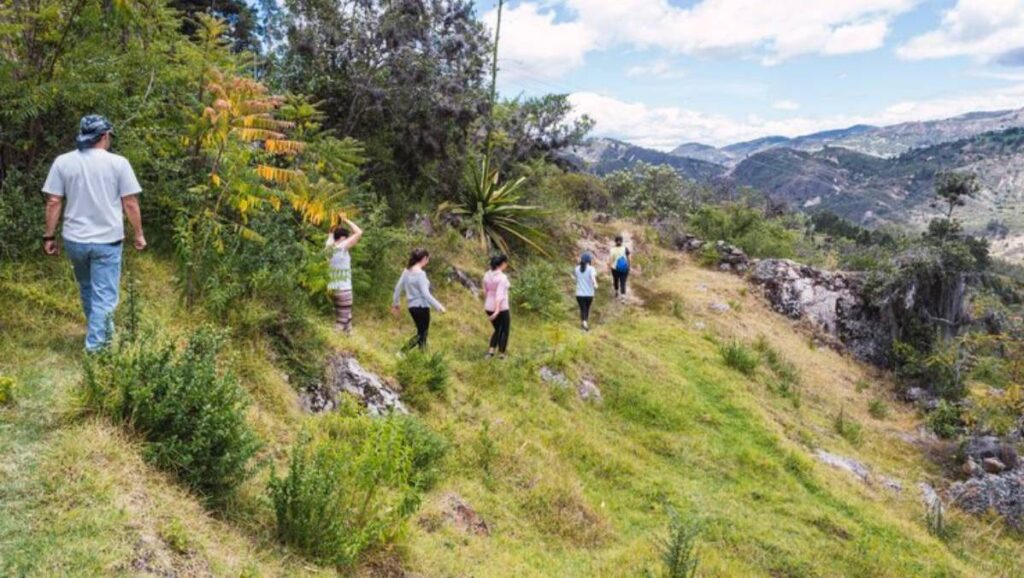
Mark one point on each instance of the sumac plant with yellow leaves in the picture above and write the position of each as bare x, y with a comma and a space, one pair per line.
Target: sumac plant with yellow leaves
264, 168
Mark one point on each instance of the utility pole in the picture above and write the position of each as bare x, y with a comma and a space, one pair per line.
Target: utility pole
494, 83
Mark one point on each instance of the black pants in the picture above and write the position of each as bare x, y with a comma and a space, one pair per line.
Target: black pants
619, 281
421, 317
584, 303
502, 326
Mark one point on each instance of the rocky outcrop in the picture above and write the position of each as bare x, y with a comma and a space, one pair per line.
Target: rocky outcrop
1003, 493
727, 257
832, 302
462, 516
459, 276
344, 374
858, 470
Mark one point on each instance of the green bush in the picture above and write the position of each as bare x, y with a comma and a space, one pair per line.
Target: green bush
945, 420
537, 289
7, 387
679, 550
191, 416
747, 228
878, 408
739, 357
424, 377
351, 485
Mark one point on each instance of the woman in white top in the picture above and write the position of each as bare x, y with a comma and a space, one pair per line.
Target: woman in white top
586, 286
339, 242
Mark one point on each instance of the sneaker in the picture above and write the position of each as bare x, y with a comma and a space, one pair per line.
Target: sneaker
489, 355
586, 326
502, 356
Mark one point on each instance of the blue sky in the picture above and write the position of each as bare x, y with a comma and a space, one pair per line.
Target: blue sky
662, 72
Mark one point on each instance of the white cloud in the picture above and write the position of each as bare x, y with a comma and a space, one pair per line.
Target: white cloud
661, 68
785, 105
988, 30
664, 128
537, 37
534, 43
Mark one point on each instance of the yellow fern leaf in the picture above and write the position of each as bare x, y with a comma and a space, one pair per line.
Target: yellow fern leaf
287, 147
264, 121
254, 134
276, 175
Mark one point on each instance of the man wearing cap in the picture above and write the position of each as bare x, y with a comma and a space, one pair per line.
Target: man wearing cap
100, 188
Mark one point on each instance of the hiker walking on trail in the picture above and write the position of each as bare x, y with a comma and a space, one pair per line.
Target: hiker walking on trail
586, 288
98, 189
417, 295
339, 242
619, 264
496, 304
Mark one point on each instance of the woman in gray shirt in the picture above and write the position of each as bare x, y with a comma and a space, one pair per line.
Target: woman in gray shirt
417, 296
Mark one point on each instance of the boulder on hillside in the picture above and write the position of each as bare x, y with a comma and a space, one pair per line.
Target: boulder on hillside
343, 373
991, 453
1003, 493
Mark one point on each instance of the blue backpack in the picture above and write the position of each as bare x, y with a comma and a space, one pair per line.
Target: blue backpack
622, 264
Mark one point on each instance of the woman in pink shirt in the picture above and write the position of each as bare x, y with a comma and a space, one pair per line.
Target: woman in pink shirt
496, 304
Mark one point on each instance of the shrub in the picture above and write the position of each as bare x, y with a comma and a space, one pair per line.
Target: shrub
424, 376
787, 376
679, 550
739, 357
847, 428
945, 420
351, 485
745, 227
191, 416
7, 387
537, 289
878, 408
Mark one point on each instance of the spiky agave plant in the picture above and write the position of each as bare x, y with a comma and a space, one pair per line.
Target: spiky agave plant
495, 210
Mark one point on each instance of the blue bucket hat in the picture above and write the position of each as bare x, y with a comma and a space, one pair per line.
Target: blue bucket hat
91, 129
586, 258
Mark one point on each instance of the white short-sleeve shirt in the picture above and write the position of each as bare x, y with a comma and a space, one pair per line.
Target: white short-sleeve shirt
92, 182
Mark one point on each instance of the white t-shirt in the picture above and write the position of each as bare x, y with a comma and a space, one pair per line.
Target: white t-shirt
341, 267
93, 182
586, 281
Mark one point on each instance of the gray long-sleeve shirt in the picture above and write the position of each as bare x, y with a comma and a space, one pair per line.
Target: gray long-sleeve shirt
417, 290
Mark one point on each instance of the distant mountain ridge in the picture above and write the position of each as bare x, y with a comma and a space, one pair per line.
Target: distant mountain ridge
887, 141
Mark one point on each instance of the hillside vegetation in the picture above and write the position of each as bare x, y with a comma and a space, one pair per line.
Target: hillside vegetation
566, 487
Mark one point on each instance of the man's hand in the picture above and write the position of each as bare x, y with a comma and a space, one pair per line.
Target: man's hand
50, 247
140, 242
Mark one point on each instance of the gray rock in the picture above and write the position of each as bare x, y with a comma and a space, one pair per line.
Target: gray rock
915, 394
985, 447
463, 517
552, 377
344, 374
719, 307
970, 468
929, 496
1002, 493
588, 390
993, 465
848, 464
462, 278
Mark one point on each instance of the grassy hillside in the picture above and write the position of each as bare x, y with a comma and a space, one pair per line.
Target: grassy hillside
567, 487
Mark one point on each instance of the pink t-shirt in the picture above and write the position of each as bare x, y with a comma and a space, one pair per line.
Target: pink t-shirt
495, 291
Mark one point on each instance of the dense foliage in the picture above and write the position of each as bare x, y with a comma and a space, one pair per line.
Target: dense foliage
191, 415
351, 484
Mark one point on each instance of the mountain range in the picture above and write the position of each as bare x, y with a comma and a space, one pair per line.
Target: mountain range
866, 174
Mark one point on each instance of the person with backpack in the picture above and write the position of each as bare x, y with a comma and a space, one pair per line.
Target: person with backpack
417, 296
619, 265
586, 288
496, 305
338, 243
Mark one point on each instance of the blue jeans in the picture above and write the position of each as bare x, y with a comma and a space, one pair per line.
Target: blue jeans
98, 272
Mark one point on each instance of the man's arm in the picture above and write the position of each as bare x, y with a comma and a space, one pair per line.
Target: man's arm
131, 210
53, 208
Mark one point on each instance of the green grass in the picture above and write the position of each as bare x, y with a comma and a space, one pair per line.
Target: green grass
567, 488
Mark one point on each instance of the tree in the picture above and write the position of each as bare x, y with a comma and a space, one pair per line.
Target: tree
237, 14
536, 128
954, 189
647, 191
406, 77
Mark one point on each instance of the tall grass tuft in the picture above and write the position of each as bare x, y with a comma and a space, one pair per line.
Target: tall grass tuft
679, 555
739, 357
424, 377
351, 484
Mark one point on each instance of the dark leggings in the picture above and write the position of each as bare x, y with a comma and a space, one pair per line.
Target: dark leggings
502, 326
585, 303
421, 317
619, 280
